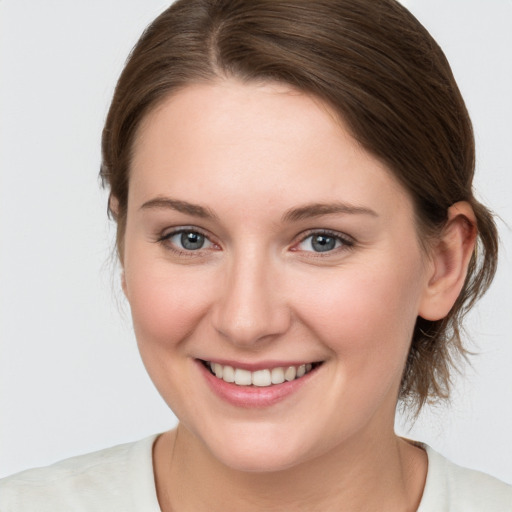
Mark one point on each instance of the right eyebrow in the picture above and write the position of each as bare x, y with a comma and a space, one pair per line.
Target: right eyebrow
321, 209
196, 210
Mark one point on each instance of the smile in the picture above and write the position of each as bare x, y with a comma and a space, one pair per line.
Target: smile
260, 378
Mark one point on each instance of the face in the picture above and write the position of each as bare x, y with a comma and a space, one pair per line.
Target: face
263, 242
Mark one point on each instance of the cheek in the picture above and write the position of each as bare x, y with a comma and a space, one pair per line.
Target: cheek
366, 316
166, 302
366, 319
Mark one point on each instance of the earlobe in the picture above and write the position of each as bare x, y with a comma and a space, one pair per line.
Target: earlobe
450, 258
113, 205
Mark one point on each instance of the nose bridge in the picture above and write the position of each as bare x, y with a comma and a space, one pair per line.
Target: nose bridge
251, 306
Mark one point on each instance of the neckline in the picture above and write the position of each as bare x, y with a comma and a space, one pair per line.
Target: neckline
145, 474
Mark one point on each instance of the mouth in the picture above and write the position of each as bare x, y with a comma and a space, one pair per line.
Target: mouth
265, 377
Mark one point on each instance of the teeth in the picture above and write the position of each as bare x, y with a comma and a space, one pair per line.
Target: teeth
277, 376
217, 369
228, 374
243, 377
290, 373
260, 378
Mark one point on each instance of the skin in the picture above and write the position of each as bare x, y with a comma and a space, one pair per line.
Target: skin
248, 154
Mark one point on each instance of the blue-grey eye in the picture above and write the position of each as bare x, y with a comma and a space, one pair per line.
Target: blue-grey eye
186, 240
321, 242
191, 240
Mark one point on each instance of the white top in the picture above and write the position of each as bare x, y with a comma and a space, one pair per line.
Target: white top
121, 479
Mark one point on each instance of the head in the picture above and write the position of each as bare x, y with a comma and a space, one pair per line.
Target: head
377, 70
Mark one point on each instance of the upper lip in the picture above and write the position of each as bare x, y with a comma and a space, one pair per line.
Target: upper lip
260, 365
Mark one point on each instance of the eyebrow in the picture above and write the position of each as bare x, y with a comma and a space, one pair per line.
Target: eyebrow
293, 215
320, 209
179, 206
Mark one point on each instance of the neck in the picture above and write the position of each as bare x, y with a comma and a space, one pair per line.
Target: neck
369, 473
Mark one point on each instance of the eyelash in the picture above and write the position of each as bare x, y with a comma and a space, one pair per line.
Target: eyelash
345, 242
165, 241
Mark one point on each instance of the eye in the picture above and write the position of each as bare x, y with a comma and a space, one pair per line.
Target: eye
186, 240
190, 240
323, 242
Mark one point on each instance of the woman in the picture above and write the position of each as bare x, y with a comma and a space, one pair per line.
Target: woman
296, 226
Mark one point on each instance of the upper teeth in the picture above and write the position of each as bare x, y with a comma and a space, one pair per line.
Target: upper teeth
260, 378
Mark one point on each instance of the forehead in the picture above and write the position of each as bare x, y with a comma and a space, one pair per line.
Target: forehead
269, 141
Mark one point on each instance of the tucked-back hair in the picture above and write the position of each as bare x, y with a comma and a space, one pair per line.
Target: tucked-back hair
377, 67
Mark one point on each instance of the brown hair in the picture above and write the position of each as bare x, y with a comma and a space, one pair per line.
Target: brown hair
378, 67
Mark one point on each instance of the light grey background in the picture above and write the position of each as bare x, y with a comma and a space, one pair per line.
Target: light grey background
70, 376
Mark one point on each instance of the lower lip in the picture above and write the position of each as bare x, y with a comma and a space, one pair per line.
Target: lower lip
253, 396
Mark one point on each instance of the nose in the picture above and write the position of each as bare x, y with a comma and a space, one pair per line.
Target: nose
251, 307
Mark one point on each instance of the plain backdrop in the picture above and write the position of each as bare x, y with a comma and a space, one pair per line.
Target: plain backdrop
70, 376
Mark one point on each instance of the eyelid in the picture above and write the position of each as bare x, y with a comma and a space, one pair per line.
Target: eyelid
164, 239
347, 241
169, 232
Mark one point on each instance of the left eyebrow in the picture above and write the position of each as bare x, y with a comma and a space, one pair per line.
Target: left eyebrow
195, 210
320, 209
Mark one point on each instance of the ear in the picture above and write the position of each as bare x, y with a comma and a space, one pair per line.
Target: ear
113, 205
449, 258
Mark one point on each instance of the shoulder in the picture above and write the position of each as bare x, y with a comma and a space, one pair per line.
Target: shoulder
450, 487
117, 478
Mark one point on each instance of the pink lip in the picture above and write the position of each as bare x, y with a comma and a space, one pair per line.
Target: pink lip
252, 396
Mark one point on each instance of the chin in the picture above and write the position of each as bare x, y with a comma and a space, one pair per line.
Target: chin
258, 450
254, 461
